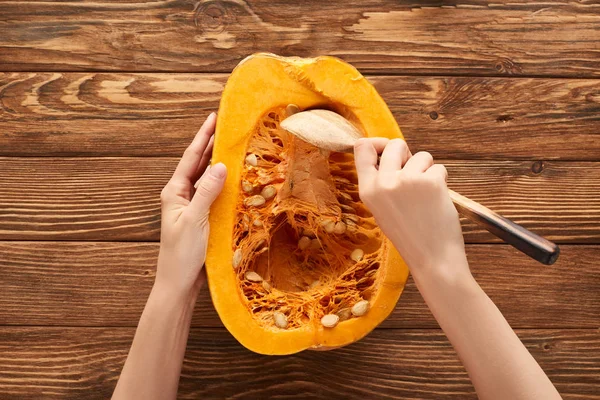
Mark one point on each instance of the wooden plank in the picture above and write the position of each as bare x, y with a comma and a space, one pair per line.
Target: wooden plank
115, 199
82, 199
467, 37
110, 114
107, 284
104, 114
75, 363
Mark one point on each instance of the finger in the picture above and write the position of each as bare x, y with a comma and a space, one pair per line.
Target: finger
418, 163
379, 143
205, 159
365, 158
199, 180
187, 169
208, 189
394, 157
438, 171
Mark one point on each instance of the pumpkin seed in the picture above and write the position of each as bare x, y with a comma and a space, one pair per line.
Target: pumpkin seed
247, 186
304, 243
347, 209
237, 258
341, 180
314, 284
315, 244
255, 201
266, 286
344, 314
268, 192
252, 160
280, 319
346, 197
292, 109
330, 320
308, 232
339, 228
245, 221
360, 308
357, 255
351, 217
257, 222
253, 276
328, 225
351, 225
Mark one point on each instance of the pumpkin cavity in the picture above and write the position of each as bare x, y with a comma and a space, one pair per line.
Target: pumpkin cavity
312, 251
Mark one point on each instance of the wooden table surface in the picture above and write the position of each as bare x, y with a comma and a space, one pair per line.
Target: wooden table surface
99, 99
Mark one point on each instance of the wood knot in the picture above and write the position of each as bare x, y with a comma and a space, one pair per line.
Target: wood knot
546, 346
433, 115
504, 118
211, 16
537, 167
507, 66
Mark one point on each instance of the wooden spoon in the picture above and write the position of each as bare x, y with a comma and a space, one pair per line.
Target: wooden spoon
328, 130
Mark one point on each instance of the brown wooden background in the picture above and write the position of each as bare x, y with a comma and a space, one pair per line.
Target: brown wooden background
99, 99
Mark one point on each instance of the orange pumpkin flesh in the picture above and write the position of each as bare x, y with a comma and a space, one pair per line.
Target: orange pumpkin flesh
314, 191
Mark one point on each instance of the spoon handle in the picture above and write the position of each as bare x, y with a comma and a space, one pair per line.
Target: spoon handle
533, 245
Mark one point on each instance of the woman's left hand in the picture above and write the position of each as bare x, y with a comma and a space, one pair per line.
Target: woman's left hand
186, 201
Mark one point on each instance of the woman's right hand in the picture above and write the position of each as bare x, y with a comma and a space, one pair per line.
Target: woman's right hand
409, 199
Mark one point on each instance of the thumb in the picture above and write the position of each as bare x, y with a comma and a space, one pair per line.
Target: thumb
365, 159
208, 188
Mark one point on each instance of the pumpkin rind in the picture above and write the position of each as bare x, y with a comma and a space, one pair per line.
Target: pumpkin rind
259, 83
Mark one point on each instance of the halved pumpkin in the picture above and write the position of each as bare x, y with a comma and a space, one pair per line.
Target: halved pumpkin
295, 260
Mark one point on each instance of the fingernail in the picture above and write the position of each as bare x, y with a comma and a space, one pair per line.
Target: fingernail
218, 170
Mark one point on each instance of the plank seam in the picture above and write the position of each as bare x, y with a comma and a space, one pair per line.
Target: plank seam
222, 328
364, 73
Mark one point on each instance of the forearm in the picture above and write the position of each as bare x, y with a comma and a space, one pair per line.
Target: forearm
497, 362
154, 362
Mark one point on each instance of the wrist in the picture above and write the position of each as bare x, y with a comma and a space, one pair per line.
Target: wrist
165, 296
447, 278
175, 282
449, 298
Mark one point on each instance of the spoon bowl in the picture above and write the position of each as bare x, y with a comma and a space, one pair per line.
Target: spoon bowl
323, 128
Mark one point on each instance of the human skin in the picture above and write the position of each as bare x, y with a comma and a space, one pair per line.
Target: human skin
153, 366
408, 197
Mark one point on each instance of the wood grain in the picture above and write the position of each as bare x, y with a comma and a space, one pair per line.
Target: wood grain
456, 37
120, 114
75, 363
115, 199
107, 284
527, 148
82, 199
